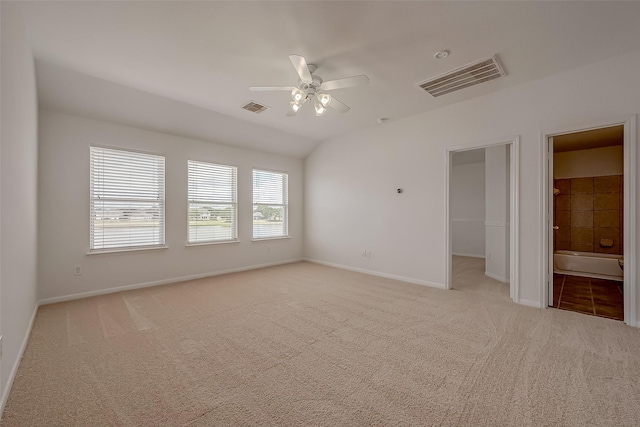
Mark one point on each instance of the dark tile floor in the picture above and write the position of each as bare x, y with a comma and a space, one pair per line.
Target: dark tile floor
596, 297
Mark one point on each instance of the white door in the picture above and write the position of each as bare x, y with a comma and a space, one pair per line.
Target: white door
549, 222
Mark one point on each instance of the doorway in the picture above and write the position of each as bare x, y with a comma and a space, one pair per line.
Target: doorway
491, 239
589, 221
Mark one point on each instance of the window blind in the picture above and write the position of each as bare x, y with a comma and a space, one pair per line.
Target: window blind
212, 202
127, 199
270, 204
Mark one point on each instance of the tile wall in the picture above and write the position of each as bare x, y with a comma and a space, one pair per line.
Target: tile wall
588, 210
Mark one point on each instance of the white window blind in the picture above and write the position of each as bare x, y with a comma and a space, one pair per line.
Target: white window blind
270, 204
212, 202
127, 199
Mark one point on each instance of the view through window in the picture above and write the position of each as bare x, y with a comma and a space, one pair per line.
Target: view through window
212, 202
127, 199
270, 204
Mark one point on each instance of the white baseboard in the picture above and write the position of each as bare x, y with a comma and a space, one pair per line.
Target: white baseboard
379, 274
16, 364
467, 255
161, 282
529, 303
496, 277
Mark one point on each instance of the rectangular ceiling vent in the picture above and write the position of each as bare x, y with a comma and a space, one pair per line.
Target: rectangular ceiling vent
255, 107
460, 78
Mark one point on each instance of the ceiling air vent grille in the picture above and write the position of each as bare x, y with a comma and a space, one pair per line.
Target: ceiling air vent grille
255, 107
460, 78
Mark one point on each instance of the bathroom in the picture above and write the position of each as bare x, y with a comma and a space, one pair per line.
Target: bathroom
588, 222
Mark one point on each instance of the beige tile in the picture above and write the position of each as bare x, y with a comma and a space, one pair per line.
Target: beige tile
564, 185
581, 235
581, 202
615, 249
581, 185
582, 247
563, 234
563, 202
606, 219
581, 218
563, 218
607, 233
606, 201
606, 184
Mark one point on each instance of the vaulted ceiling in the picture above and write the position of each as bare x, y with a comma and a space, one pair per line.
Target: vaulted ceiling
190, 64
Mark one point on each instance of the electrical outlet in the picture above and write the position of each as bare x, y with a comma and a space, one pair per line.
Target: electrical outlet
364, 254
77, 270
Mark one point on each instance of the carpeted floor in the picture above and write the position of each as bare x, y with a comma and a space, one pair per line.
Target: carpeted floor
305, 344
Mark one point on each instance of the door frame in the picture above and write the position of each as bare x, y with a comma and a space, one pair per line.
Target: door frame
629, 212
514, 215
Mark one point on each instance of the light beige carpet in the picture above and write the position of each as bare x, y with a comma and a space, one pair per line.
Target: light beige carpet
305, 344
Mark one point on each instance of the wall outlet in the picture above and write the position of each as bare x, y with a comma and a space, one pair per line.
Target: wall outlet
364, 253
77, 270
368, 254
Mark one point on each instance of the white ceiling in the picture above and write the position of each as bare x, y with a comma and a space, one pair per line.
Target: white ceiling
205, 55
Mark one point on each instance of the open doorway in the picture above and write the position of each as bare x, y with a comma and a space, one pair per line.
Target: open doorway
482, 223
590, 221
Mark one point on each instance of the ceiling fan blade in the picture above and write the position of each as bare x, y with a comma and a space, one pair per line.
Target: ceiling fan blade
300, 64
360, 80
269, 88
338, 106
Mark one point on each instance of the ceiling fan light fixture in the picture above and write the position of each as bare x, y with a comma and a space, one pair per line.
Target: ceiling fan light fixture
297, 94
324, 99
295, 106
320, 109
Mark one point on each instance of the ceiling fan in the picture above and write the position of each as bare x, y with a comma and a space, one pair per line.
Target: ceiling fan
311, 87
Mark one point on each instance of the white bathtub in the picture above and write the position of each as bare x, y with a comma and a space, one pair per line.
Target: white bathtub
587, 264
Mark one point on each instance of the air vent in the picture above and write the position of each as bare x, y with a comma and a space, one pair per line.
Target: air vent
255, 107
460, 78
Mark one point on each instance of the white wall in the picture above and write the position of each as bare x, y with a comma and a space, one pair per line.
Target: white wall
497, 225
349, 181
64, 210
467, 199
586, 163
18, 193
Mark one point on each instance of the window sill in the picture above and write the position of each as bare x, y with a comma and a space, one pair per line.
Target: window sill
222, 242
261, 239
124, 250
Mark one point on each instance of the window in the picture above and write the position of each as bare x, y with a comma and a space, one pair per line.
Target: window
127, 199
212, 202
270, 204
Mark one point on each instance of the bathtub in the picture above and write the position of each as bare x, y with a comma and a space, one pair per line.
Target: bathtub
587, 264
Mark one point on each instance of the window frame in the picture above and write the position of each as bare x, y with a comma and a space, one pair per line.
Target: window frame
235, 224
284, 205
161, 181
